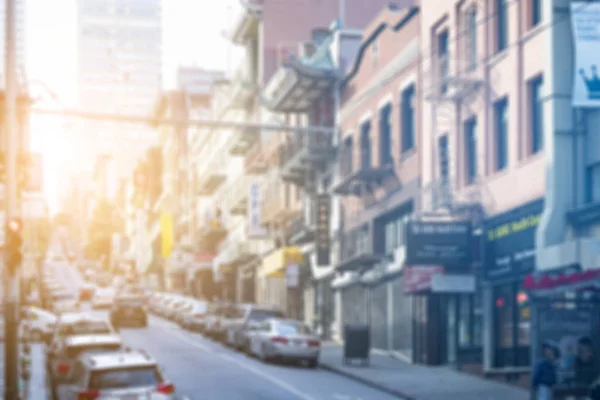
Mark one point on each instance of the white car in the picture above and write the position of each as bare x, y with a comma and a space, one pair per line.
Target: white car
193, 315
63, 360
38, 324
103, 299
67, 326
120, 375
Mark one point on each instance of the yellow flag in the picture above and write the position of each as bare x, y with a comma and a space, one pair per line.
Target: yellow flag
166, 233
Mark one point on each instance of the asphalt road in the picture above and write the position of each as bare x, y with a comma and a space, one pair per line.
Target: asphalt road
205, 370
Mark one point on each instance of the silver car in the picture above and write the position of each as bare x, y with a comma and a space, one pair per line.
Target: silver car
285, 340
120, 375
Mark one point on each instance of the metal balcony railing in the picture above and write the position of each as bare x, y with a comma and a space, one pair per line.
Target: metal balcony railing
313, 147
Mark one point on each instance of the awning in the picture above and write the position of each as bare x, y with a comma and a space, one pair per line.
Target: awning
564, 280
274, 264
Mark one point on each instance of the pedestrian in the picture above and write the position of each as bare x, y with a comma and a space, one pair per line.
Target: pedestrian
544, 372
586, 364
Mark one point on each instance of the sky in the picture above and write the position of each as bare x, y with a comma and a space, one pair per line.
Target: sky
193, 35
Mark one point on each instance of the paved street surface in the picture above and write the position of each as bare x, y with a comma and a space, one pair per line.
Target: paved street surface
204, 370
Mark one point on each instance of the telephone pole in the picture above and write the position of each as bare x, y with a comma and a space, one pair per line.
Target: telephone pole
11, 289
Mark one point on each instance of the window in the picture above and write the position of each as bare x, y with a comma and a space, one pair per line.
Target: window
346, 159
407, 118
501, 25
443, 154
501, 131
394, 232
470, 140
385, 135
365, 145
536, 12
125, 378
592, 183
443, 59
537, 114
471, 37
375, 52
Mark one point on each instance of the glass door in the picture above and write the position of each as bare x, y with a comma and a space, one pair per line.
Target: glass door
451, 328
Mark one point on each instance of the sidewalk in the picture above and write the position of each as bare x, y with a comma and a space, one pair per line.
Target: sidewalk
36, 388
417, 382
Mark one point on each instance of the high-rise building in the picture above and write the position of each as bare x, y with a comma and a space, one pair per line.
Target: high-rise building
20, 38
119, 55
120, 72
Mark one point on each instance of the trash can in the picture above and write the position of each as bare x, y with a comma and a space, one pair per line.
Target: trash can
357, 343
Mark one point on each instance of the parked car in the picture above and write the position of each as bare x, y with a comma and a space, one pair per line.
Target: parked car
71, 326
216, 322
285, 340
117, 375
37, 324
248, 316
193, 316
62, 367
86, 292
103, 299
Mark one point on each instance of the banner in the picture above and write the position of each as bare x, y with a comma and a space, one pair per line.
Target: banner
585, 21
255, 227
323, 242
166, 234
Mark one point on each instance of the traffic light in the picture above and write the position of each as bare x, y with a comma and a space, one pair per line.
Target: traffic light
14, 244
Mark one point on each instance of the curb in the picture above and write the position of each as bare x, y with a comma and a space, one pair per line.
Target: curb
368, 382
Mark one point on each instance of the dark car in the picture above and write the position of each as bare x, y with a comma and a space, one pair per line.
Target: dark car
129, 312
86, 293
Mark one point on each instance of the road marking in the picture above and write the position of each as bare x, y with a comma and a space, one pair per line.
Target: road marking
245, 366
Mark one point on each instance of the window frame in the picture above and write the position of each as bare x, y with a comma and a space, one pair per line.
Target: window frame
470, 141
502, 26
501, 133
536, 122
407, 118
443, 139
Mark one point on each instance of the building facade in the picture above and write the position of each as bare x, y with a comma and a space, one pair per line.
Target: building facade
482, 164
378, 177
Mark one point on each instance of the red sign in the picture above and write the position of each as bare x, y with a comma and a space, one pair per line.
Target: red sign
418, 279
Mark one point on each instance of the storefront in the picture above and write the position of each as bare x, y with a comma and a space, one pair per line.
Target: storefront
509, 255
446, 316
440, 278
565, 305
280, 271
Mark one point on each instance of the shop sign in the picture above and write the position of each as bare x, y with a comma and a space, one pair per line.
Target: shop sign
418, 279
438, 243
323, 242
292, 275
510, 242
255, 227
585, 22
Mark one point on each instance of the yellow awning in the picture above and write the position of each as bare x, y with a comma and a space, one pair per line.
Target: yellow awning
225, 267
274, 264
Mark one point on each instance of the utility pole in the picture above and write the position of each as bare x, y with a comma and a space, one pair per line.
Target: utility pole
11, 290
